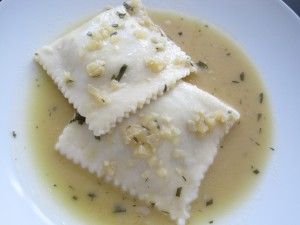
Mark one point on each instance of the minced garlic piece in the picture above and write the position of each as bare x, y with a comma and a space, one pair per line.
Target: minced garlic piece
93, 45
202, 123
146, 22
109, 168
155, 65
160, 46
161, 172
67, 77
180, 61
102, 100
147, 134
104, 33
115, 39
140, 34
115, 85
154, 40
96, 68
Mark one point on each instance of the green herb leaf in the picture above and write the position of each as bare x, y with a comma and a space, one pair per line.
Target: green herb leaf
128, 7
14, 134
121, 73
209, 202
202, 65
115, 25
91, 195
98, 138
242, 76
114, 33
256, 171
259, 115
261, 98
121, 15
119, 209
78, 118
178, 192
165, 89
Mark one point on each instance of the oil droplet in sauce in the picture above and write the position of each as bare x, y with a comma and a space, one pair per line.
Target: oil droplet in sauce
225, 72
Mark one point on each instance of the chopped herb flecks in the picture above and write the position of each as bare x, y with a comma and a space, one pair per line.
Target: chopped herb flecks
74, 197
261, 98
242, 76
121, 15
115, 25
121, 73
91, 195
183, 177
273, 149
180, 33
251, 139
90, 34
202, 65
178, 192
128, 7
14, 134
256, 171
114, 33
78, 118
209, 202
210, 222
235, 82
119, 209
98, 138
259, 115
165, 88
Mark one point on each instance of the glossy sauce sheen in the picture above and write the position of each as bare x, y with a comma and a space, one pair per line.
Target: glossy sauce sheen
237, 168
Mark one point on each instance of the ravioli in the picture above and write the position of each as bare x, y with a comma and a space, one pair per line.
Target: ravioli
161, 153
114, 64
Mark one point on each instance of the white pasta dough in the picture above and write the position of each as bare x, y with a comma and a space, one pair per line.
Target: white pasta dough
161, 153
114, 64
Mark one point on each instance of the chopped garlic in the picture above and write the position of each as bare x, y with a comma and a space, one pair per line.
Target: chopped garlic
102, 100
159, 47
145, 136
67, 77
202, 123
93, 45
109, 167
155, 65
140, 34
146, 22
154, 40
96, 68
115, 39
162, 172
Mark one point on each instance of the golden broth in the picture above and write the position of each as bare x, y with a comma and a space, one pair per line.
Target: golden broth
237, 167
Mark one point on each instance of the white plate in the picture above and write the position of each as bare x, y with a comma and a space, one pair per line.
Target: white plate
268, 31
